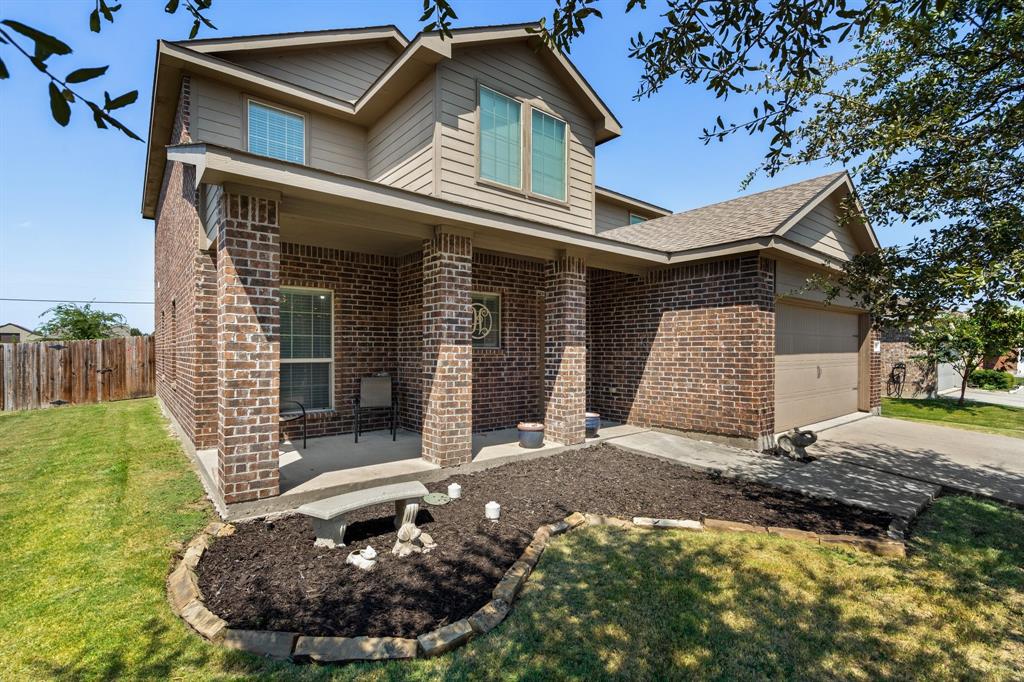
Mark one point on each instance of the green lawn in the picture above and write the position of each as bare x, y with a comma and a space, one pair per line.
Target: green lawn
1001, 419
94, 501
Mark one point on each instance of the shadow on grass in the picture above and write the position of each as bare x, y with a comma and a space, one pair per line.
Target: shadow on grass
610, 605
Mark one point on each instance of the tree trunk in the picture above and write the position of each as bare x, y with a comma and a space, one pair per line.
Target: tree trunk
963, 389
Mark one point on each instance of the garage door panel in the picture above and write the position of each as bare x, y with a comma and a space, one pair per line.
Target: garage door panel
816, 365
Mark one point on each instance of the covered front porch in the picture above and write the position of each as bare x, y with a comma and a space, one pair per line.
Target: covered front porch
475, 330
331, 465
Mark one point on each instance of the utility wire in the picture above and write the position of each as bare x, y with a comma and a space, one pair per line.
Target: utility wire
52, 300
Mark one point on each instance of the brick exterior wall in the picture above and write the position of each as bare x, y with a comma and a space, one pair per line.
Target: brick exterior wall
921, 380
447, 349
508, 382
875, 372
690, 348
185, 298
410, 341
565, 350
248, 326
364, 291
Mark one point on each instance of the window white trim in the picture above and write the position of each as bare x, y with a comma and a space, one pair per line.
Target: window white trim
632, 215
564, 199
479, 147
249, 101
310, 361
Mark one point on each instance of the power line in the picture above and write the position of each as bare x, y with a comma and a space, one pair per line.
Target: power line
53, 300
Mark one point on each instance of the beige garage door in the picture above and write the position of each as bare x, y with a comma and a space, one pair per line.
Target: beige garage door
815, 365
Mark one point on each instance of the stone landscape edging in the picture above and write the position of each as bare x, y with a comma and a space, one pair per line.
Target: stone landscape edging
187, 600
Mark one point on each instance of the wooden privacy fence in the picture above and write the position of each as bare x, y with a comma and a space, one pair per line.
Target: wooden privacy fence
50, 373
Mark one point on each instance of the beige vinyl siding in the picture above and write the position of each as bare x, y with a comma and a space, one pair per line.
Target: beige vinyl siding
212, 196
516, 71
399, 147
821, 231
609, 215
792, 281
218, 112
344, 72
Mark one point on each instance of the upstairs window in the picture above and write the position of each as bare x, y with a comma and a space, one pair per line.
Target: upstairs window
547, 158
634, 219
277, 133
500, 139
307, 349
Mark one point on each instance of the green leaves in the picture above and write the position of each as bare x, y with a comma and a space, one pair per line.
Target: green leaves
59, 107
82, 75
442, 13
45, 44
104, 10
118, 102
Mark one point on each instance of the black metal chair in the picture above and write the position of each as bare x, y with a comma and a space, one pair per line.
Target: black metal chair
296, 417
375, 393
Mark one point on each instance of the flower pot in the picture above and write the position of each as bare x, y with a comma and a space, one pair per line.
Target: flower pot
531, 434
593, 423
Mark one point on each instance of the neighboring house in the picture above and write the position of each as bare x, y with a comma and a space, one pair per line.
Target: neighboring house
332, 205
920, 378
15, 333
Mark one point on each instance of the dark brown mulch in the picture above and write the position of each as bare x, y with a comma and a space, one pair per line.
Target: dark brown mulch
268, 575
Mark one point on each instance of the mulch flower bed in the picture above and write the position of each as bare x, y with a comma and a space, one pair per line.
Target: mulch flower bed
269, 576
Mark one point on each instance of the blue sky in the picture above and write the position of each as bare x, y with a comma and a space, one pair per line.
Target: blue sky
70, 222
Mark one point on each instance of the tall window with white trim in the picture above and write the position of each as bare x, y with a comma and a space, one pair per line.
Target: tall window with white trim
500, 139
277, 133
307, 349
547, 158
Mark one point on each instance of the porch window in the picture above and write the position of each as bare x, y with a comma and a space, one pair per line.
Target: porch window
277, 133
500, 139
486, 331
307, 348
547, 158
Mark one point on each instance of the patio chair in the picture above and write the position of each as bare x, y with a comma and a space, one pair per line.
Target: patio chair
301, 415
375, 394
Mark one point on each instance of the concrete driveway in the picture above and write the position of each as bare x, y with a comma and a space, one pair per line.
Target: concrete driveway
963, 460
992, 397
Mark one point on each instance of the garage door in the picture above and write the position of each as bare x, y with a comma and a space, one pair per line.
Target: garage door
816, 363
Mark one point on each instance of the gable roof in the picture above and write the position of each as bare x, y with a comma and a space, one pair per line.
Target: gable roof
17, 326
763, 214
628, 202
299, 40
409, 67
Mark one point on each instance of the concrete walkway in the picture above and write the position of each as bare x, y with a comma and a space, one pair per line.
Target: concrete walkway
847, 483
967, 461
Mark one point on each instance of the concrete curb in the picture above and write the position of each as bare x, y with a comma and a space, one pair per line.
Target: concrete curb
186, 599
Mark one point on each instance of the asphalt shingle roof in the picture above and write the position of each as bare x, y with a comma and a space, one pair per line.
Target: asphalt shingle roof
746, 217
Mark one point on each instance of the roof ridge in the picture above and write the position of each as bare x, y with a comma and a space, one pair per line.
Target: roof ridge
313, 32
763, 191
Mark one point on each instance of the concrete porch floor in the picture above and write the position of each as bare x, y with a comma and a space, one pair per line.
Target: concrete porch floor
332, 465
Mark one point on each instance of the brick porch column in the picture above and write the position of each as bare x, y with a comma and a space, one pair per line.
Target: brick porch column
565, 352
248, 318
447, 348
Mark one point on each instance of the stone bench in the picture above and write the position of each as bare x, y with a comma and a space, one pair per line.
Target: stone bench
326, 514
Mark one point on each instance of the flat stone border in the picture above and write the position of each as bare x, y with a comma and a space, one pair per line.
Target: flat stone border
187, 601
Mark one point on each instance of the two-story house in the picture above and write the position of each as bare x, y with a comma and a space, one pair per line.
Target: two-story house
339, 204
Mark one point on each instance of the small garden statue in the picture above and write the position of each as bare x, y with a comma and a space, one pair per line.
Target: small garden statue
365, 558
411, 540
793, 444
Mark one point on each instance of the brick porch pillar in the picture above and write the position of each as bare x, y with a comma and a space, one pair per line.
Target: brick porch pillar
248, 318
565, 352
447, 349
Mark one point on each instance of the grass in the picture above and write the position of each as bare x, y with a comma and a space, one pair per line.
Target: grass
999, 419
95, 500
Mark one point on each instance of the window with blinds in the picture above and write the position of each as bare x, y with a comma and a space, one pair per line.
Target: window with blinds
500, 139
307, 349
277, 133
547, 158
